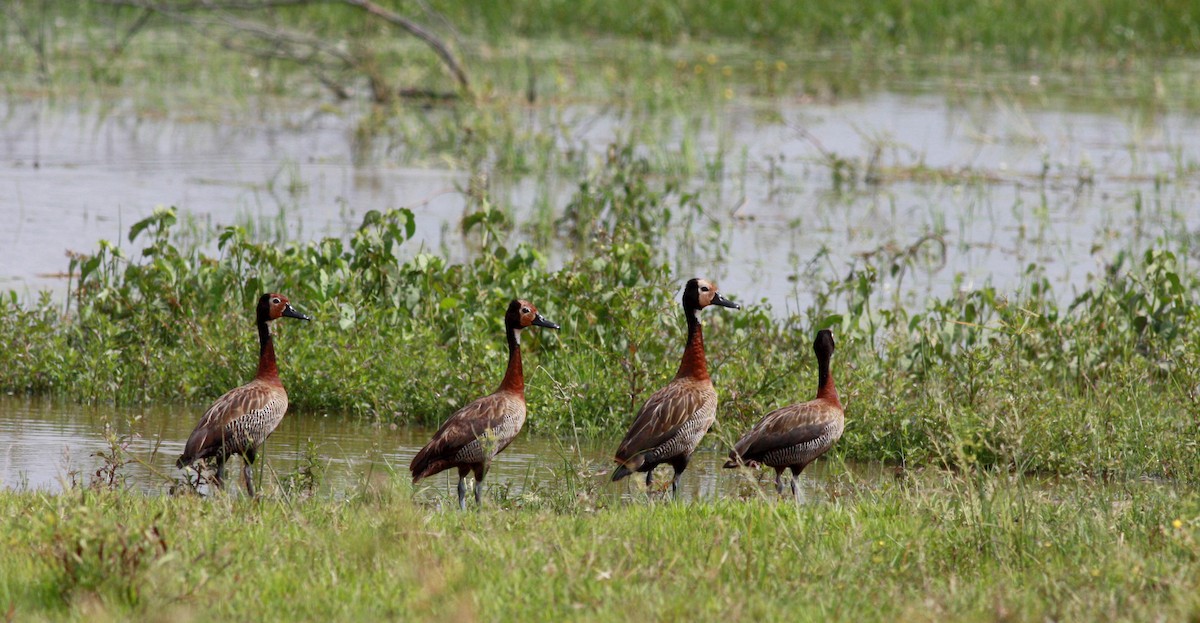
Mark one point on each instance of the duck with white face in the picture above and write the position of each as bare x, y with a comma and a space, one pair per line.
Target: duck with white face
476, 433
671, 423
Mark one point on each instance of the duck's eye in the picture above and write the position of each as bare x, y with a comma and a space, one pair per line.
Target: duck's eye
704, 288
524, 310
275, 301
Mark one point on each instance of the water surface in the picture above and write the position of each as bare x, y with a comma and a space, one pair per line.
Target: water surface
46, 444
1003, 186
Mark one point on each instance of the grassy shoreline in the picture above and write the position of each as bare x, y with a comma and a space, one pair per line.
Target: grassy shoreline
935, 546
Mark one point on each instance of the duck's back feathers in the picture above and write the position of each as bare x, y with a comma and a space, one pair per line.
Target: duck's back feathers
791, 435
238, 421
473, 434
671, 422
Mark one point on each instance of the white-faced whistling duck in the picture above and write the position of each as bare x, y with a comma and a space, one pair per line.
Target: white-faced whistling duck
479, 431
795, 435
671, 423
241, 420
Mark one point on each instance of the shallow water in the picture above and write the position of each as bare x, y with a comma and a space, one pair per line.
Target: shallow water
46, 444
1051, 186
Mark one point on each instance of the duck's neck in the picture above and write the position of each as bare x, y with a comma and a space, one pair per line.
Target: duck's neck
514, 376
693, 365
826, 390
267, 370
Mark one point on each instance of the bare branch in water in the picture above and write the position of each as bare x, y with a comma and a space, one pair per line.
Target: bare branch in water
225, 20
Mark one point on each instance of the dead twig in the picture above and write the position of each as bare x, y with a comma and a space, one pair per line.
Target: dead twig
421, 33
35, 40
274, 42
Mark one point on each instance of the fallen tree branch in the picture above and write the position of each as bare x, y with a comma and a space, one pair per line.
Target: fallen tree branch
36, 41
419, 32
298, 47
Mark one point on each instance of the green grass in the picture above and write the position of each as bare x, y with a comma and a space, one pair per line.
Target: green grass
1033, 27
664, 53
921, 25
929, 547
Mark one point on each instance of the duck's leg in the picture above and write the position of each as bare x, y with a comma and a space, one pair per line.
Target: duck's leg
649, 477
462, 487
247, 475
680, 464
779, 480
480, 471
796, 481
218, 478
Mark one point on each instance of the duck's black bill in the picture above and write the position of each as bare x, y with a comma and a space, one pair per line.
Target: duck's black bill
724, 302
541, 321
292, 313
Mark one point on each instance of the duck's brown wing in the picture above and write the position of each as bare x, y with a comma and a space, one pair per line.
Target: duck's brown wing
662, 417
241, 418
786, 427
463, 427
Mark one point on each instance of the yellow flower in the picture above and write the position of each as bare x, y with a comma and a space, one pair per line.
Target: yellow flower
759, 65
780, 66
727, 71
699, 69
1177, 523
711, 58
728, 93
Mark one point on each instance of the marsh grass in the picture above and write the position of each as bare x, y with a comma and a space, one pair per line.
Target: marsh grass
1092, 55
929, 546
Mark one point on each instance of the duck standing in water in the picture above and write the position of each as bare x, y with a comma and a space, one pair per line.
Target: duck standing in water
476, 433
242, 419
674, 419
795, 435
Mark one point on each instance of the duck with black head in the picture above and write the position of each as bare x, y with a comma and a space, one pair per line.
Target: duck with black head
476, 433
241, 420
673, 420
794, 436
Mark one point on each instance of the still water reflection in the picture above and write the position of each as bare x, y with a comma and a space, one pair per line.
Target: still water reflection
45, 444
